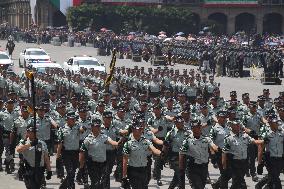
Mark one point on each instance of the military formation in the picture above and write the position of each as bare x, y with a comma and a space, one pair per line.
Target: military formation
144, 121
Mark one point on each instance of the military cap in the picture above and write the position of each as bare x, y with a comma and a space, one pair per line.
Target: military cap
261, 98
71, 114
222, 113
142, 103
179, 119
203, 106
24, 108
10, 101
234, 122
52, 92
136, 124
233, 93
60, 104
199, 96
245, 95
107, 114
196, 123
74, 97
101, 103
96, 122
266, 90
277, 100
82, 109
121, 107
231, 110
253, 103
274, 120
22, 98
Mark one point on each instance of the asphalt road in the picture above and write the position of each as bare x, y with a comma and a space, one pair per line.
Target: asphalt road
61, 54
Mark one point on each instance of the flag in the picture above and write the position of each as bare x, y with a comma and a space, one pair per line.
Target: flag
33, 5
63, 5
111, 67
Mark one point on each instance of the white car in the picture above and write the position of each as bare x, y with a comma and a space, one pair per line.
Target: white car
5, 61
76, 62
33, 55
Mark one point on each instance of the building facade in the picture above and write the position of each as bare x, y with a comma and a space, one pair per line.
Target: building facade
17, 13
248, 15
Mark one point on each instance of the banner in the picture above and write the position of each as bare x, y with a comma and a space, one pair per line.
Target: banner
63, 5
111, 67
33, 5
232, 3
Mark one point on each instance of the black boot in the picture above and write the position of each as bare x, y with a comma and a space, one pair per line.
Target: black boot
12, 165
1, 168
7, 167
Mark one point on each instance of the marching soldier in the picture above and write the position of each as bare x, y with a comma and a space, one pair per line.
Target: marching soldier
8, 117
172, 145
109, 129
35, 157
196, 150
252, 123
234, 156
135, 159
159, 126
273, 137
19, 133
93, 154
217, 134
44, 125
68, 148
84, 122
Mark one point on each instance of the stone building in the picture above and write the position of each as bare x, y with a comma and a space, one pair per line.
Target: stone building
18, 13
263, 16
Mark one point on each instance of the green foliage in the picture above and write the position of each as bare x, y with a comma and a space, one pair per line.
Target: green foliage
123, 19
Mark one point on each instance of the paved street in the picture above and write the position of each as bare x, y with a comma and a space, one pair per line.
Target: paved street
60, 54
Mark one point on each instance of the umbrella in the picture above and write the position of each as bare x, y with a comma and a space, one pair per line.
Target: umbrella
191, 38
206, 28
180, 33
168, 39
103, 29
232, 40
162, 36
130, 37
179, 38
272, 44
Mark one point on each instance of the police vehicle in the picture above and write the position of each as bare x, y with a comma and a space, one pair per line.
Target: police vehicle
5, 61
75, 63
33, 55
